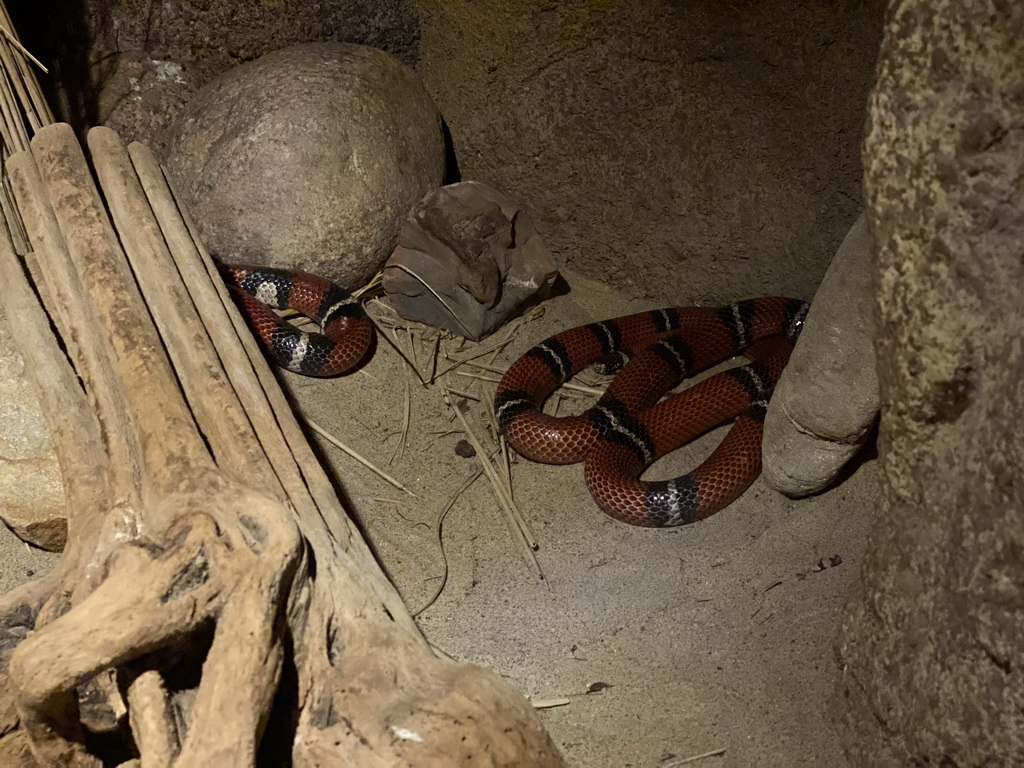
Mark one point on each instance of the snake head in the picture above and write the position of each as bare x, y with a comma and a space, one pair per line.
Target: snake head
796, 315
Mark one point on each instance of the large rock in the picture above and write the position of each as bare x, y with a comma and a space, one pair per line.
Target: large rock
932, 651
308, 157
31, 490
827, 400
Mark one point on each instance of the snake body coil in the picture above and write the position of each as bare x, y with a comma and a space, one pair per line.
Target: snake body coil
627, 429
347, 330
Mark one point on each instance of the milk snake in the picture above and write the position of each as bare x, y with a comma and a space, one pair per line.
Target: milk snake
347, 330
627, 429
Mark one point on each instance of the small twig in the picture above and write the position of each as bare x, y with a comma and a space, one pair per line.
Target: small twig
695, 758
366, 463
506, 457
401, 353
433, 358
496, 369
412, 352
549, 703
24, 51
374, 284
472, 478
406, 418
467, 395
495, 348
524, 537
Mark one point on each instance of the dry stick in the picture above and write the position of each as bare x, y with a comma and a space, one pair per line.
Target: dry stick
433, 357
495, 348
695, 758
470, 479
365, 462
17, 44
492, 380
15, 135
306, 485
228, 433
319, 512
131, 351
467, 395
87, 347
506, 458
41, 108
403, 437
24, 98
152, 723
497, 369
227, 338
401, 353
523, 536
15, 224
549, 703
27, 75
76, 431
372, 285
502, 445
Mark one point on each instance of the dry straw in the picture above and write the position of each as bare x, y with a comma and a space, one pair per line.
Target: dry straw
23, 111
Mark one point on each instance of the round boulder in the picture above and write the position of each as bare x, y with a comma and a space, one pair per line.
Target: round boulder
309, 158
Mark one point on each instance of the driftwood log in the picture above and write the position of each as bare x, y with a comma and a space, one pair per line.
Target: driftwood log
214, 605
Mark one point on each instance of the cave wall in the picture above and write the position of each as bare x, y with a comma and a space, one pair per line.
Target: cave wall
699, 151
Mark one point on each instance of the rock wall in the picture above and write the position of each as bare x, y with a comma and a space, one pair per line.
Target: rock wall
933, 652
698, 151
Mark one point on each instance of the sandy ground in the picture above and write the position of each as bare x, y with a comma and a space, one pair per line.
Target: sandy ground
714, 636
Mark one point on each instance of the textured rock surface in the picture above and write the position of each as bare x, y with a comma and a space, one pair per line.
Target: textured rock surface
683, 152
933, 652
827, 400
31, 493
309, 157
140, 95
233, 31
478, 252
200, 39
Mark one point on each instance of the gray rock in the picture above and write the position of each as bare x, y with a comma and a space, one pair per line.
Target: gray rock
827, 400
140, 95
31, 491
468, 259
217, 34
309, 158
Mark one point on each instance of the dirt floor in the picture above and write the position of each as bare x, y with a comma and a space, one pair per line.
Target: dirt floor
666, 643
717, 635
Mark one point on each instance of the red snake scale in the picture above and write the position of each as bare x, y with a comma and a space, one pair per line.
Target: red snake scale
627, 429
347, 331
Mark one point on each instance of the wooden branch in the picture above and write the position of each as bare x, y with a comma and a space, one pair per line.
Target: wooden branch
207, 536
